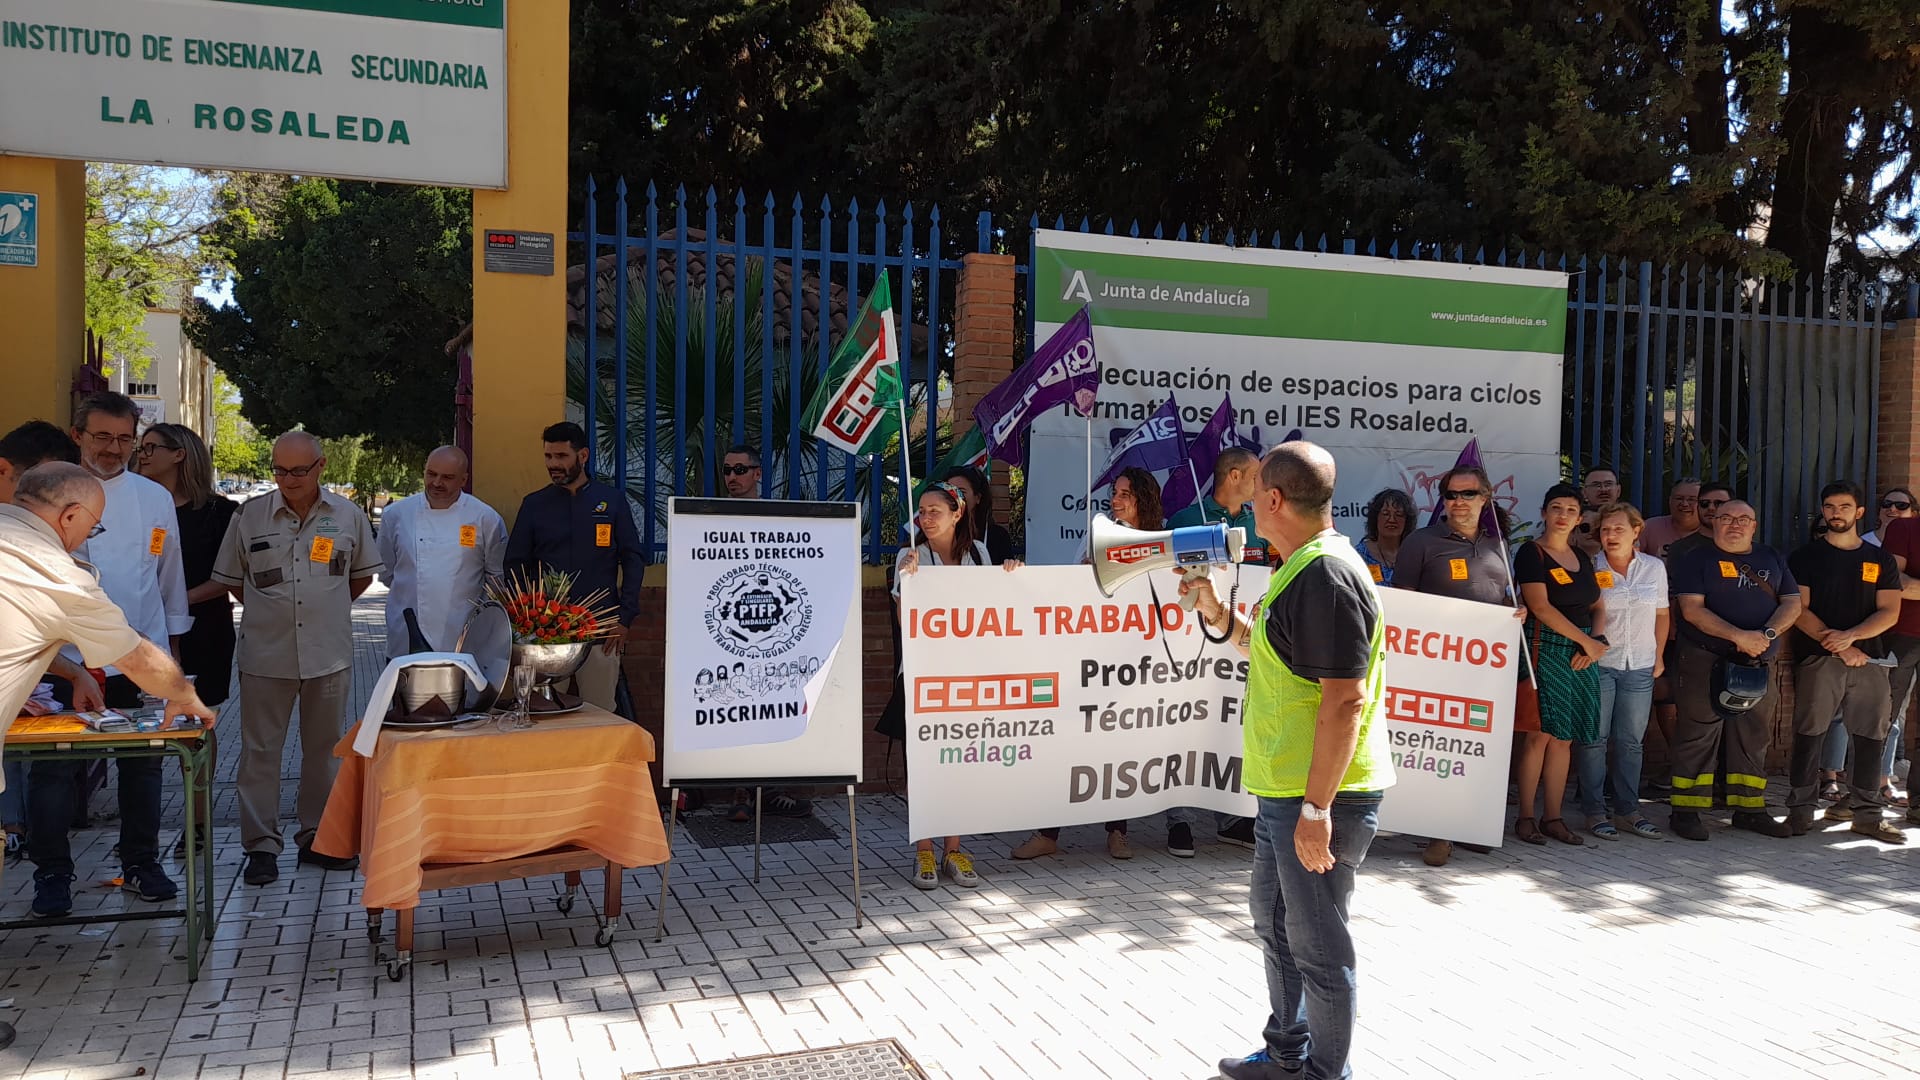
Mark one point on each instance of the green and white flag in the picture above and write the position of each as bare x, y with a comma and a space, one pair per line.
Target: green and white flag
857, 405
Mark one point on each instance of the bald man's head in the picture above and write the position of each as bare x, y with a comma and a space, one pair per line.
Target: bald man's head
67, 497
298, 462
1303, 473
445, 476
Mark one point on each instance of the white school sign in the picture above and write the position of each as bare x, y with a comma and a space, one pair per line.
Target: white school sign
403, 90
1034, 701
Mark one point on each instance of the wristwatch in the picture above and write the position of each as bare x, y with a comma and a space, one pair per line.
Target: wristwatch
1312, 812
1770, 632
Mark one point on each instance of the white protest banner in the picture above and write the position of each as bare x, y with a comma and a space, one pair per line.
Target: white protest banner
1392, 366
757, 600
1451, 671
1033, 701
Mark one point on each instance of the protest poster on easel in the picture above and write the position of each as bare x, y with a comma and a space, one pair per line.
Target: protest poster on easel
763, 664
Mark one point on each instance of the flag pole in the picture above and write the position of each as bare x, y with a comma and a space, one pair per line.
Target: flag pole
1089, 487
906, 466
1513, 597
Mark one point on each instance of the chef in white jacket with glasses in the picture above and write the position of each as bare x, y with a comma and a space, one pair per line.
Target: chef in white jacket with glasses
440, 547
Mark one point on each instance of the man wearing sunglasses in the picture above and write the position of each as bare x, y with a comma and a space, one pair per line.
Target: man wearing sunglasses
296, 558
1713, 495
136, 550
1736, 598
740, 472
47, 598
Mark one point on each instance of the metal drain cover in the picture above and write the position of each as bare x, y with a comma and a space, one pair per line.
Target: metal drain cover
882, 1060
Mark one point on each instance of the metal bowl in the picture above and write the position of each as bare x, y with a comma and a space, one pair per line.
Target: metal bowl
422, 683
551, 663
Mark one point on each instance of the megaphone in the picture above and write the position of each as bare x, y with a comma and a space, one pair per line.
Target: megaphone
1120, 554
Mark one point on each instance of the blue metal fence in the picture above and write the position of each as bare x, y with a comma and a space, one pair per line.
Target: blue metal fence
731, 318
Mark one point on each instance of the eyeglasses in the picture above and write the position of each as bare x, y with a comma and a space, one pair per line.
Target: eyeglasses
1459, 496
737, 470
1895, 504
150, 448
103, 440
282, 470
1738, 522
97, 529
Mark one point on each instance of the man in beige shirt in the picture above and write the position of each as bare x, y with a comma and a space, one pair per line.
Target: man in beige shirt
47, 598
296, 559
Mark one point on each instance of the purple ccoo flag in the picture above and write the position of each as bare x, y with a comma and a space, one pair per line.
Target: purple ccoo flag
1158, 443
1215, 436
1061, 372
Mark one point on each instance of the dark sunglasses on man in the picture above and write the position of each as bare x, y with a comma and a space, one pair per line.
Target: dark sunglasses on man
737, 470
1460, 495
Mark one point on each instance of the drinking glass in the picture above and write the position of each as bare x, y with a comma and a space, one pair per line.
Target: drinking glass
523, 697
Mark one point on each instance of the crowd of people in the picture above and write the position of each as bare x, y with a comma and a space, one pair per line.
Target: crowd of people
1678, 620
153, 541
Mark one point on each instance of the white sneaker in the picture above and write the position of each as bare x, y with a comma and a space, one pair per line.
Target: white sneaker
959, 867
926, 871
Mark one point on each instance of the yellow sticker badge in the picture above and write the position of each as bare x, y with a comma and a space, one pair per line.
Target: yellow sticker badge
603, 536
322, 549
469, 535
1728, 570
157, 543
1457, 569
1869, 572
1604, 577
1378, 578
1560, 576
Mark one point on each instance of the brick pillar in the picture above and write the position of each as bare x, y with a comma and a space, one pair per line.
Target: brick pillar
1897, 457
983, 343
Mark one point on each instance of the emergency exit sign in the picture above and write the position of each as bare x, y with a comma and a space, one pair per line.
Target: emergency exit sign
516, 251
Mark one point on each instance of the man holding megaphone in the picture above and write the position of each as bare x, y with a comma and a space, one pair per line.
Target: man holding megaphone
1315, 756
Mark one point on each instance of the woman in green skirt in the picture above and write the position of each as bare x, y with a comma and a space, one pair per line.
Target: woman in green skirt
1566, 637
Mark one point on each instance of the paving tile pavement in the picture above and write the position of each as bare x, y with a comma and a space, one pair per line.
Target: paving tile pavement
1743, 957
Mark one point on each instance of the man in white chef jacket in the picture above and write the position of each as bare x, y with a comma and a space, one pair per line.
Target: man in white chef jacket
440, 548
136, 550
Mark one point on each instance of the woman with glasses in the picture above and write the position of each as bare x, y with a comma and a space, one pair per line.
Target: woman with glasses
1897, 503
1566, 637
1389, 520
175, 458
1464, 556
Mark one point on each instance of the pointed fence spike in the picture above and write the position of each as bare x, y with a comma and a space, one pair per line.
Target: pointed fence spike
1134, 229
933, 215
769, 200
740, 199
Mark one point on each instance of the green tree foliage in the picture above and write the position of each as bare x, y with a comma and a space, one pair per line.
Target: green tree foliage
1755, 131
344, 296
371, 470
143, 233
237, 448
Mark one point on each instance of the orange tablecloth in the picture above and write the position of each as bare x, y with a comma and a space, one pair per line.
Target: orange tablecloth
479, 795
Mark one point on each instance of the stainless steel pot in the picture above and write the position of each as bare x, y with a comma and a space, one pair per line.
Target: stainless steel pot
422, 683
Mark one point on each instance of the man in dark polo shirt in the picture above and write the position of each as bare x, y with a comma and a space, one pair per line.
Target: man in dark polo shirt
584, 528
1736, 598
1456, 557
1850, 596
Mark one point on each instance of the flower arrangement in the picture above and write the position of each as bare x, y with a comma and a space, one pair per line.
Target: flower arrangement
542, 611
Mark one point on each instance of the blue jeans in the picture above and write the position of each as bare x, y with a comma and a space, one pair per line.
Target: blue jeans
1833, 748
1301, 918
1626, 701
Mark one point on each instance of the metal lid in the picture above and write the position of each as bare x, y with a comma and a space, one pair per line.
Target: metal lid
488, 638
